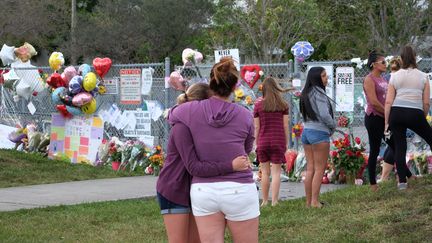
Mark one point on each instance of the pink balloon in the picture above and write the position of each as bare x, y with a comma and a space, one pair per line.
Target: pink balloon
69, 73
186, 54
176, 81
82, 99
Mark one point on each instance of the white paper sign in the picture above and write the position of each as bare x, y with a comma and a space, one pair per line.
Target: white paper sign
31, 108
147, 140
329, 71
142, 126
111, 85
147, 81
296, 82
130, 86
155, 108
5, 143
234, 53
344, 89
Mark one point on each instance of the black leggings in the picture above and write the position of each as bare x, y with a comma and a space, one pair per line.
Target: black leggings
400, 119
375, 128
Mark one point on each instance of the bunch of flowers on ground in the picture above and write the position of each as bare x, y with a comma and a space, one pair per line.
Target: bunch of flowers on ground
347, 155
155, 161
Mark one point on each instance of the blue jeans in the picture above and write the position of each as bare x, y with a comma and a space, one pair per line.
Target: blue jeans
168, 207
312, 136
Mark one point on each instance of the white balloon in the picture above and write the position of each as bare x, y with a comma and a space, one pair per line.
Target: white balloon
29, 74
7, 54
23, 90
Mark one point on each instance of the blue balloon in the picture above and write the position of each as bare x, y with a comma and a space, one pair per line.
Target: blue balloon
74, 110
302, 50
55, 96
75, 84
84, 69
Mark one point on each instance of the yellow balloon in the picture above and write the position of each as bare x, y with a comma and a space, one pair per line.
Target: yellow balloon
90, 107
56, 60
89, 82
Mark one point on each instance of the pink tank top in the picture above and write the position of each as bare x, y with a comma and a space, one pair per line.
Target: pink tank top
380, 90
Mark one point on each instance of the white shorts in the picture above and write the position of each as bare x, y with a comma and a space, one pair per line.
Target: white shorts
237, 201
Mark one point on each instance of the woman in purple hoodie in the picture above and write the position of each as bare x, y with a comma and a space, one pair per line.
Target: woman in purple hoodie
221, 131
173, 185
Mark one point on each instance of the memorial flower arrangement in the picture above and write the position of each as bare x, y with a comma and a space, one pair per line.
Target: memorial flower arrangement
347, 156
155, 161
297, 130
343, 121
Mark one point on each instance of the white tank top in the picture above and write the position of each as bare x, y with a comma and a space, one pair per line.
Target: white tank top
409, 85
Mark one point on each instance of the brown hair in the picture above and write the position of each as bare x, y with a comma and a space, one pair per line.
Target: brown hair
395, 64
198, 91
224, 77
408, 56
272, 93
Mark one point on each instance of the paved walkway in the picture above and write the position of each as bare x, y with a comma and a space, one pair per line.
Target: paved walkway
70, 193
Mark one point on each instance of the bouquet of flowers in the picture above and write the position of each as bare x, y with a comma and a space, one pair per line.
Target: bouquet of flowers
343, 121
244, 97
297, 130
347, 156
155, 161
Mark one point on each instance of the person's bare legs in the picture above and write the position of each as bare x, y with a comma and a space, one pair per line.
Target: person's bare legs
265, 182
321, 153
386, 169
244, 231
177, 227
309, 173
193, 230
211, 228
275, 183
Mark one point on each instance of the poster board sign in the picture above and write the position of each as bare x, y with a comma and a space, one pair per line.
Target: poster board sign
345, 89
5, 143
147, 81
141, 127
111, 85
330, 74
234, 53
130, 86
78, 138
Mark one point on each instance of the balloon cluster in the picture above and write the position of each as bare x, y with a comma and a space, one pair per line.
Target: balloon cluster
190, 58
74, 91
302, 50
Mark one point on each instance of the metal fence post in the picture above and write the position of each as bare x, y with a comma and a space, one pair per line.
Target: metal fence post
167, 98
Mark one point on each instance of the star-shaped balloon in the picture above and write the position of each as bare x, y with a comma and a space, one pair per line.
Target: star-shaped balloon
10, 78
7, 54
302, 50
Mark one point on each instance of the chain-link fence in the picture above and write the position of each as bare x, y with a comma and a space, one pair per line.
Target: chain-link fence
16, 111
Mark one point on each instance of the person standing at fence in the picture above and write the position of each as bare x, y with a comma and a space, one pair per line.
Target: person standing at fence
375, 88
319, 125
173, 185
407, 105
222, 130
271, 134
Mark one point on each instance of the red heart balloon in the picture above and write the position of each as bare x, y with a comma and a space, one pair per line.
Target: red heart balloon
55, 81
102, 65
251, 68
63, 111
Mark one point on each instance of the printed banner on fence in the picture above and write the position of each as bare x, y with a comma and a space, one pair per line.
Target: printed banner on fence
111, 85
330, 74
78, 138
234, 53
344, 89
147, 81
130, 86
142, 125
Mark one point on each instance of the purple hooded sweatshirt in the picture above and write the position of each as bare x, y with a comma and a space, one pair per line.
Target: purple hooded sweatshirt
221, 131
181, 162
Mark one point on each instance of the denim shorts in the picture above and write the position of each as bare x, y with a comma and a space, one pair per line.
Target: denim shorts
168, 207
312, 136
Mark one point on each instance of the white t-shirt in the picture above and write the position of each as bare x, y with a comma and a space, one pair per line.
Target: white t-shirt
409, 85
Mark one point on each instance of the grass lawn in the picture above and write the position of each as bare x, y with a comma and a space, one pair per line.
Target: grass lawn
19, 169
353, 214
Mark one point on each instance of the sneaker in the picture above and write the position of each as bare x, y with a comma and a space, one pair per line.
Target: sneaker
402, 186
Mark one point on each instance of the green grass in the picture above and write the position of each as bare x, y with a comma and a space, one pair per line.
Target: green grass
353, 214
19, 169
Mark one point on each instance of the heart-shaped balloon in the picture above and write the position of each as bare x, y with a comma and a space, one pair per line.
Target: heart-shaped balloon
55, 81
176, 81
253, 75
102, 65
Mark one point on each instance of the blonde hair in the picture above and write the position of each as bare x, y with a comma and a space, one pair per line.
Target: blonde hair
272, 93
395, 64
198, 91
